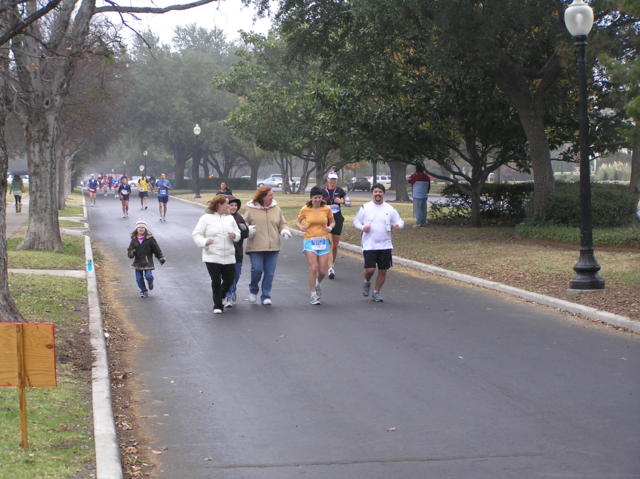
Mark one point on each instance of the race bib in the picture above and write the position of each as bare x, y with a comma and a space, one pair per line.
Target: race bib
335, 209
319, 244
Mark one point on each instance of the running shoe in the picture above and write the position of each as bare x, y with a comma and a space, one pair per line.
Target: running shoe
314, 299
266, 301
377, 297
318, 289
143, 294
332, 273
217, 311
253, 298
365, 288
226, 303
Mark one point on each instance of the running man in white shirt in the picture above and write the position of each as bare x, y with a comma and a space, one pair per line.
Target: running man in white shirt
376, 219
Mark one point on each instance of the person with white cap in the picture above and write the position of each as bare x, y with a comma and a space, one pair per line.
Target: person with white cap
142, 248
335, 197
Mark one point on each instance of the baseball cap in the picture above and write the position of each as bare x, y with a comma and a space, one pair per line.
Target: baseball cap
332, 176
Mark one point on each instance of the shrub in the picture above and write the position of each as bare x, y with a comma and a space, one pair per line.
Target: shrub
499, 202
611, 205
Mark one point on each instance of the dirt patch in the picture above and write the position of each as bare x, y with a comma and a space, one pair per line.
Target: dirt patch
74, 345
137, 459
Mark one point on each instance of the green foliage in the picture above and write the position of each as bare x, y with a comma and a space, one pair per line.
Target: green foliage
611, 205
621, 236
499, 203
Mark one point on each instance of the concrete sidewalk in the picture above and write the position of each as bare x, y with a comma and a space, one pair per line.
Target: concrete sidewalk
17, 221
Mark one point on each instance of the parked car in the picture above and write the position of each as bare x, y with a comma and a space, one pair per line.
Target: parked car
272, 181
359, 183
384, 180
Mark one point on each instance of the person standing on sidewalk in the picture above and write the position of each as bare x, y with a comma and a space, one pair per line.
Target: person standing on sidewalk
420, 185
224, 189
124, 192
266, 225
163, 185
142, 248
316, 221
216, 232
377, 219
335, 197
234, 207
17, 188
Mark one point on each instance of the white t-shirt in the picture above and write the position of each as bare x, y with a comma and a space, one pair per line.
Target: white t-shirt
380, 218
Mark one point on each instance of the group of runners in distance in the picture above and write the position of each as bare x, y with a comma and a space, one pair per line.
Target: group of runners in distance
222, 231
122, 191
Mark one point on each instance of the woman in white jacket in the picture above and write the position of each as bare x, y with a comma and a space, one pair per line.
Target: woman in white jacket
215, 233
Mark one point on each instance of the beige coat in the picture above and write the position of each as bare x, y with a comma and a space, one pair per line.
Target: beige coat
269, 223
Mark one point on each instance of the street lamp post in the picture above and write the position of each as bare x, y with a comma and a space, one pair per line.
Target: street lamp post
145, 153
578, 18
195, 163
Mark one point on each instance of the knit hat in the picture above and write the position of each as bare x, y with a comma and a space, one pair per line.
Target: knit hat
233, 199
141, 224
315, 191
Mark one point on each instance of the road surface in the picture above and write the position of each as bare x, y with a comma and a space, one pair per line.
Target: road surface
441, 380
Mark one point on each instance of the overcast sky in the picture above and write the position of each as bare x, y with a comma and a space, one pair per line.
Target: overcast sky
228, 15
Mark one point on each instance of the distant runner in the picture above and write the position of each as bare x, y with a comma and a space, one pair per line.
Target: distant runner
335, 197
124, 191
162, 187
92, 186
143, 192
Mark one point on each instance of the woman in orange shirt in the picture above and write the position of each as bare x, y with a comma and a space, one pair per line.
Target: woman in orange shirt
316, 221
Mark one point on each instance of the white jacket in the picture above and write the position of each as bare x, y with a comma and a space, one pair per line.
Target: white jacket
217, 227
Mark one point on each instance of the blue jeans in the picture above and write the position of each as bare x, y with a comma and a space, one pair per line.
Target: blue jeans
141, 274
263, 266
234, 285
420, 210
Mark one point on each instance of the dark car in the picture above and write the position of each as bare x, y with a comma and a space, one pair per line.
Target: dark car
359, 183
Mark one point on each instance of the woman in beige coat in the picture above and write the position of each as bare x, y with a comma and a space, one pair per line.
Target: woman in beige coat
266, 225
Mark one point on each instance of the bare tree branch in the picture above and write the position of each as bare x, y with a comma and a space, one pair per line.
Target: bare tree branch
114, 7
22, 24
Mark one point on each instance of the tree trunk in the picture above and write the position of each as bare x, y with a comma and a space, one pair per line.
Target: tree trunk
44, 230
8, 310
634, 183
475, 206
180, 160
399, 179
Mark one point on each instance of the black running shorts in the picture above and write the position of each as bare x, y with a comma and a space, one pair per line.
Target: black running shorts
378, 257
337, 229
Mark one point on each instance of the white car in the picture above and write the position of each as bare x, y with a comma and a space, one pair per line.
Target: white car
384, 180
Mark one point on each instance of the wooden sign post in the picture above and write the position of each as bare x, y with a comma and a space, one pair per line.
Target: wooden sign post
27, 359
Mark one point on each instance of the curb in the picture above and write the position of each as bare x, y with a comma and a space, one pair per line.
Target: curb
561, 304
108, 465
72, 273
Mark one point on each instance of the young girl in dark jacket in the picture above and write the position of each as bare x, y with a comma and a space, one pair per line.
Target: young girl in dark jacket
234, 207
142, 248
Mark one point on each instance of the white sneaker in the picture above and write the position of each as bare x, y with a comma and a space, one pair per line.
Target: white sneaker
314, 299
377, 297
266, 301
332, 273
253, 298
217, 311
226, 303
365, 288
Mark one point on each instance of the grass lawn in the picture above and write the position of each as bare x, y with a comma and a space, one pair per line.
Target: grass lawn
499, 254
72, 258
60, 425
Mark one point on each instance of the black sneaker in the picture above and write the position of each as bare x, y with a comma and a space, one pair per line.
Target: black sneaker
150, 285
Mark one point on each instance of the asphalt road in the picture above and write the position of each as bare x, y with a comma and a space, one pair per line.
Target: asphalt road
439, 381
